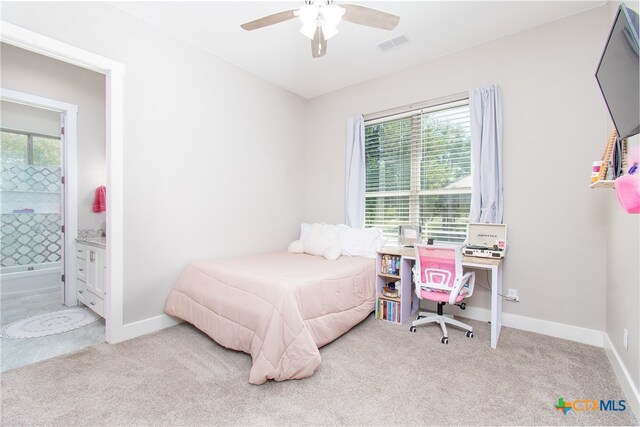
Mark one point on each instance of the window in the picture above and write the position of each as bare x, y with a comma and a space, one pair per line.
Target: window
22, 148
418, 171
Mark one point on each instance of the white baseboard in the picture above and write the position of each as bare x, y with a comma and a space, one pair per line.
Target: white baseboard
146, 326
545, 327
628, 387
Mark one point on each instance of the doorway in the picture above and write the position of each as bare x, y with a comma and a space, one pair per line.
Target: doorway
38, 230
114, 76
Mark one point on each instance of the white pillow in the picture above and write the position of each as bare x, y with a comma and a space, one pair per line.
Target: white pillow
296, 247
332, 252
320, 238
304, 230
363, 242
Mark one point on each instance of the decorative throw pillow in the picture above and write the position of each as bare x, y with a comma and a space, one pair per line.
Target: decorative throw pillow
363, 242
296, 247
318, 239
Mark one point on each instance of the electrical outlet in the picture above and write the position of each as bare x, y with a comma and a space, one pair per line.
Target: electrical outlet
625, 339
512, 295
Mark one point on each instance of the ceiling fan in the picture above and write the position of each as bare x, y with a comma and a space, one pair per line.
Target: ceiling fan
320, 18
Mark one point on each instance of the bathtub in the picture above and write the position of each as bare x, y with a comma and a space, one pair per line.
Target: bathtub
30, 279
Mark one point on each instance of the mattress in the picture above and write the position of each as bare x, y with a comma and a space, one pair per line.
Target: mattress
279, 307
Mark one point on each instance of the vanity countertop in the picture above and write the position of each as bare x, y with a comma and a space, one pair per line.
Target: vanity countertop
100, 242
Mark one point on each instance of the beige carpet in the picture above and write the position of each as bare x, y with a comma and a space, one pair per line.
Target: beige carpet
377, 374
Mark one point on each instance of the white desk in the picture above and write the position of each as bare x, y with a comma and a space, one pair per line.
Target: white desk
493, 265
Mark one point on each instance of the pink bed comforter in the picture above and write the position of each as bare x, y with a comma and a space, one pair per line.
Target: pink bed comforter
278, 307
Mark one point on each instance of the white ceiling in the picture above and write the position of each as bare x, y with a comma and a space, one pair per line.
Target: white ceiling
282, 55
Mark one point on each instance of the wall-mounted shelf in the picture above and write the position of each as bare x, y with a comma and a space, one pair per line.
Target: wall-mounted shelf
603, 183
607, 158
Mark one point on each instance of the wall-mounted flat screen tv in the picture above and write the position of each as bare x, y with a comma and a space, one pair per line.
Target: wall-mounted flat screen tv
618, 74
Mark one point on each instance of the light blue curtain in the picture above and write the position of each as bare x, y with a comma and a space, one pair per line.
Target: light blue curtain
486, 155
355, 191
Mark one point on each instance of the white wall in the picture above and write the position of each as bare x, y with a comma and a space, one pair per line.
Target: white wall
212, 154
26, 118
623, 267
39, 75
554, 127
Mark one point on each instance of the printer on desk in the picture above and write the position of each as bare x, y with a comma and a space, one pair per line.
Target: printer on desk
486, 241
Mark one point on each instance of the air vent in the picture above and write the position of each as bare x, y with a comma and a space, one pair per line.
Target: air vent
387, 45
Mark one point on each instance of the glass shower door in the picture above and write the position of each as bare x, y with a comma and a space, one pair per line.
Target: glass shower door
31, 208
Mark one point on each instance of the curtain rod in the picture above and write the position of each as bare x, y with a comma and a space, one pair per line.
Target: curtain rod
417, 106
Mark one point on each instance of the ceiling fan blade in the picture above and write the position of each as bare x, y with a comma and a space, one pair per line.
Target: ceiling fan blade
265, 21
318, 44
370, 17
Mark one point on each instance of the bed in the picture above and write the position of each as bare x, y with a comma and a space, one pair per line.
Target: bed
279, 307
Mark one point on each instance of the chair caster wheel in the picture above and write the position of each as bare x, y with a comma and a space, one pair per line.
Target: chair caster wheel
420, 317
412, 329
444, 340
463, 306
469, 334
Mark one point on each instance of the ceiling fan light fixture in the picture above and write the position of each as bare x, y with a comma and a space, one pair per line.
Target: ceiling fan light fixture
332, 14
309, 30
329, 31
308, 15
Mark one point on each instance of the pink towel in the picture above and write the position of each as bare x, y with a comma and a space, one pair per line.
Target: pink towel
100, 200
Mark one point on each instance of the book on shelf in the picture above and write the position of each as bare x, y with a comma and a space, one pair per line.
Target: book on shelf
390, 265
388, 309
392, 299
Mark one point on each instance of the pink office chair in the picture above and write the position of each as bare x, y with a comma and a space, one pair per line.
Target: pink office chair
438, 277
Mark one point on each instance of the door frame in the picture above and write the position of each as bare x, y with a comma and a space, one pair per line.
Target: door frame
114, 123
69, 116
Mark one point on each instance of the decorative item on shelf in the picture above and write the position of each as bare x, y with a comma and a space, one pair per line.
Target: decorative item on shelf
628, 185
409, 235
595, 171
390, 264
390, 292
606, 156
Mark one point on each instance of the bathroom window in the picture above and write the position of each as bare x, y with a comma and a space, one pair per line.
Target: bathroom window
22, 148
14, 147
45, 151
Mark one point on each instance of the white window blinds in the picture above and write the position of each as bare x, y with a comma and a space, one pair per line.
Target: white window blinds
418, 172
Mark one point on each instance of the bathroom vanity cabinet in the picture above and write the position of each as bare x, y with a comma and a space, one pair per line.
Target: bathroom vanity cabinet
90, 270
